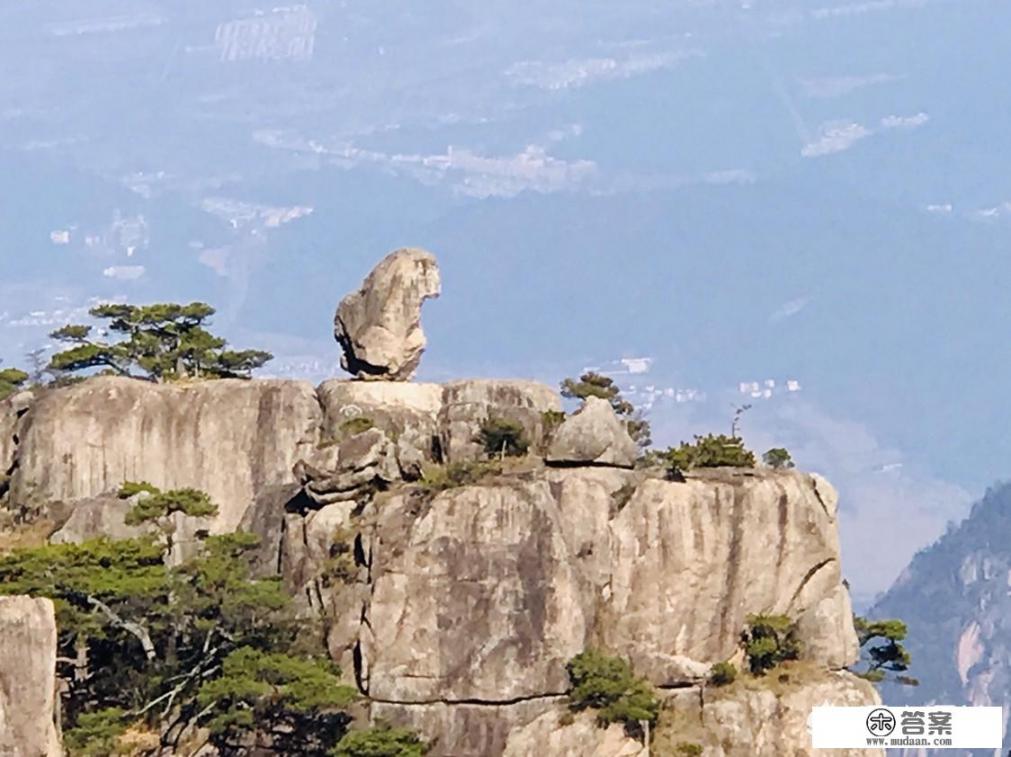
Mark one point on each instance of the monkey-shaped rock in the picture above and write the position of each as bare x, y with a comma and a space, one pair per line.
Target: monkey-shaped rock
379, 326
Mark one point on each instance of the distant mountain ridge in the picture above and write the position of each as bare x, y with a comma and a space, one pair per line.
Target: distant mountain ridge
956, 598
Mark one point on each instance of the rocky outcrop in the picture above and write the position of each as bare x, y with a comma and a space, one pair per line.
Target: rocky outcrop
559, 734
593, 435
766, 717
468, 404
476, 597
97, 517
12, 410
456, 611
229, 438
352, 471
481, 594
106, 517
692, 560
466, 728
453, 607
379, 326
28, 678
408, 413
235, 439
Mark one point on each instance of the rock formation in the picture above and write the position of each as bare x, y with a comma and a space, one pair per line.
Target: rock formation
28, 678
551, 734
12, 410
354, 470
593, 436
765, 718
379, 326
470, 602
454, 607
229, 438
407, 412
468, 404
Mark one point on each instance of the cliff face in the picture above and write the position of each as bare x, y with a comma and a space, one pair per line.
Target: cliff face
469, 601
954, 597
12, 411
485, 592
228, 438
474, 600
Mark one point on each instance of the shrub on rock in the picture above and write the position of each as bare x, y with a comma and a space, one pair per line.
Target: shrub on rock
437, 478
11, 380
778, 458
503, 437
723, 674
710, 451
357, 425
770, 640
609, 686
380, 741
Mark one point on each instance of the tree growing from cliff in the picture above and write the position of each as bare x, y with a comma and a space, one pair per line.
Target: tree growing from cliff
298, 704
11, 380
142, 644
710, 451
157, 508
886, 654
163, 342
778, 458
768, 641
609, 686
592, 384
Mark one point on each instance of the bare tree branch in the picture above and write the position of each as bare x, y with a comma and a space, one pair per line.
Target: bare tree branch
129, 626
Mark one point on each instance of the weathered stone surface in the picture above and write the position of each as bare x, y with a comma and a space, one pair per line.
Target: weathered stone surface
588, 498
827, 630
12, 410
407, 412
265, 519
467, 404
690, 561
229, 438
487, 591
593, 435
296, 541
106, 516
28, 678
582, 737
307, 545
96, 517
461, 609
765, 718
465, 729
352, 471
379, 326
477, 597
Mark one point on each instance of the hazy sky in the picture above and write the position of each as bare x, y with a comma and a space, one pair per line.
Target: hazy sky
743, 192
